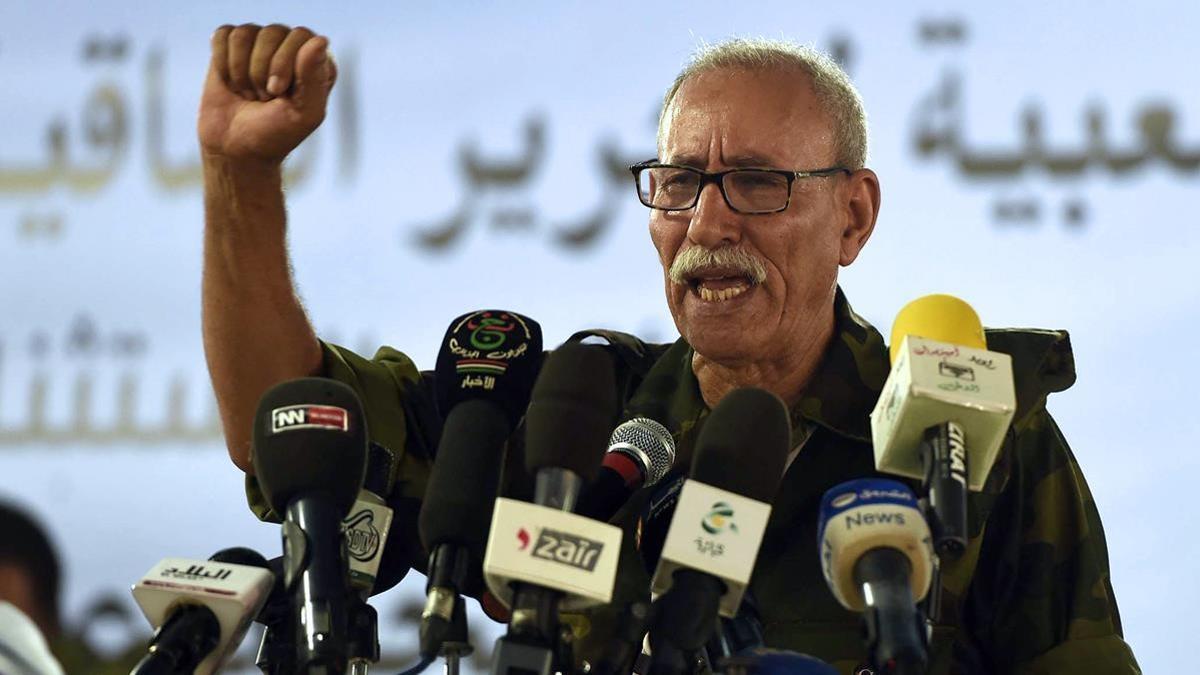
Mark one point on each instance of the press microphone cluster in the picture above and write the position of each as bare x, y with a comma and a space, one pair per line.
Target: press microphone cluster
557, 553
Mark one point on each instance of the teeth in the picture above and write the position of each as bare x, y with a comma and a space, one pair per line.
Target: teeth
708, 295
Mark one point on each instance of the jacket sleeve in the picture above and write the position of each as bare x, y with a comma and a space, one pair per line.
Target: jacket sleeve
1041, 599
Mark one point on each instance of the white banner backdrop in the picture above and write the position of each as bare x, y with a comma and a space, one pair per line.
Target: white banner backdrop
1034, 161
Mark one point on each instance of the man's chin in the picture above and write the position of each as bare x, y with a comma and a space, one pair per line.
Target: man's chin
727, 345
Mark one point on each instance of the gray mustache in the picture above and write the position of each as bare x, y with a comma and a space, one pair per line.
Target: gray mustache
692, 260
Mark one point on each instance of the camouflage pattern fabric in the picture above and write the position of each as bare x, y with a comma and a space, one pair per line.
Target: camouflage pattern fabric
1031, 595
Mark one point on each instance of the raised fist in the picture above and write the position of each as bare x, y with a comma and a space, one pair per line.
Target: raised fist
265, 92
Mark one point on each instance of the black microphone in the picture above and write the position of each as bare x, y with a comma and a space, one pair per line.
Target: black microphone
718, 524
640, 452
484, 376
571, 411
310, 455
201, 609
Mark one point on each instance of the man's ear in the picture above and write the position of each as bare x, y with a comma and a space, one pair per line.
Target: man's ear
860, 195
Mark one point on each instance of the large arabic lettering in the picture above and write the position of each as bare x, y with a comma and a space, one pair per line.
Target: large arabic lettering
69, 361
485, 176
940, 130
85, 345
85, 158
88, 161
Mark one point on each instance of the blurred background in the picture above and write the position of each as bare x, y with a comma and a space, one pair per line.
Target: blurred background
1037, 160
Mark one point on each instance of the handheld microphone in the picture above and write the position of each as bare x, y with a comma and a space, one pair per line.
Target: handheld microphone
540, 556
640, 452
201, 609
722, 513
877, 558
310, 454
945, 392
505, 348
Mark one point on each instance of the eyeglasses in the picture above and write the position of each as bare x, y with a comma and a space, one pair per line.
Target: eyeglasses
753, 191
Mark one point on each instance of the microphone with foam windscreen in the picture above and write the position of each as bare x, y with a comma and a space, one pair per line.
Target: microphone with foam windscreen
455, 516
485, 372
640, 452
722, 513
200, 609
310, 455
541, 557
946, 393
877, 557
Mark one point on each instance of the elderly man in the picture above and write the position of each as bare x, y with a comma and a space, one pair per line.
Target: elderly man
758, 196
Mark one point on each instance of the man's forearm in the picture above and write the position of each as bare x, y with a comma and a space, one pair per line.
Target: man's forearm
256, 333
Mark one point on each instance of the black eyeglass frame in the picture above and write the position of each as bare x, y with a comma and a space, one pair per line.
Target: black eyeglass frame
718, 177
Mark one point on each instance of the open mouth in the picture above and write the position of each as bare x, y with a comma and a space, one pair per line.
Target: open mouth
720, 285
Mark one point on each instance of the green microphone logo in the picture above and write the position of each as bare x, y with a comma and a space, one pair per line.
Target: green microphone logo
719, 518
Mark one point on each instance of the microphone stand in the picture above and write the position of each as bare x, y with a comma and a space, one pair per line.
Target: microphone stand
536, 642
363, 644
457, 642
735, 635
276, 654
626, 647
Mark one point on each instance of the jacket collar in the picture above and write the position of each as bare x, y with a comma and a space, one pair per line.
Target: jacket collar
848, 381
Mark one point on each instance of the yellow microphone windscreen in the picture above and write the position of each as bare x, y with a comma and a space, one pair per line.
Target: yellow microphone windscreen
944, 318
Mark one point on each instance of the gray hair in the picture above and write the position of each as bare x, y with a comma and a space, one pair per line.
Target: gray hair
833, 87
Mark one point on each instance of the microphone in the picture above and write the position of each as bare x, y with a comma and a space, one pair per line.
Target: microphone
491, 354
310, 454
201, 609
367, 525
540, 556
945, 392
640, 452
722, 513
505, 348
877, 558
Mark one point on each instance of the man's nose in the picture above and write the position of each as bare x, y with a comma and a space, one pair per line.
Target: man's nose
713, 223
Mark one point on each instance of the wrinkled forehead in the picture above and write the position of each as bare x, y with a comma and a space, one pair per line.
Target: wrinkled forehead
738, 117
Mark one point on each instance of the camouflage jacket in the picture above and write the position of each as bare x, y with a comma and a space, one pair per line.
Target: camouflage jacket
1030, 595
